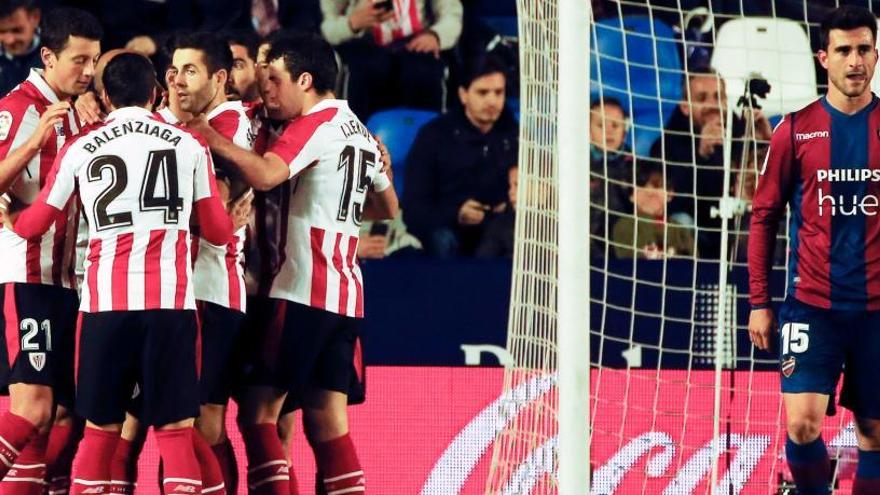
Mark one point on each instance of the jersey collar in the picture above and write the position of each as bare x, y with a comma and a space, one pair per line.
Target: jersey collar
328, 103
36, 78
129, 112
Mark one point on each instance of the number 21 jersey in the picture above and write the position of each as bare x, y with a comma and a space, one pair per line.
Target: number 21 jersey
333, 162
138, 178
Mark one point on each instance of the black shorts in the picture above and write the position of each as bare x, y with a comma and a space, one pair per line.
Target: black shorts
154, 349
305, 348
39, 323
219, 333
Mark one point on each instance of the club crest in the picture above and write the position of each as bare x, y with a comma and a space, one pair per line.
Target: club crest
38, 360
788, 367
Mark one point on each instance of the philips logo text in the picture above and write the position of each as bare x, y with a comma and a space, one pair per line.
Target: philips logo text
803, 136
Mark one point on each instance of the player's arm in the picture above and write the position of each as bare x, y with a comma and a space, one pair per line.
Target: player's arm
260, 172
768, 207
214, 223
382, 202
15, 160
49, 206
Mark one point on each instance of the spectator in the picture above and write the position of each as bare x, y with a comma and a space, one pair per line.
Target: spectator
457, 166
611, 167
648, 234
393, 56
498, 239
691, 148
20, 39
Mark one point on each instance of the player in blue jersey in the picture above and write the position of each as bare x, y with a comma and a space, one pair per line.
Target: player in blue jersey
824, 162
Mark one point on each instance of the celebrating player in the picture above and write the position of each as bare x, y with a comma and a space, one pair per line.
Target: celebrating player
823, 162
328, 163
139, 180
36, 275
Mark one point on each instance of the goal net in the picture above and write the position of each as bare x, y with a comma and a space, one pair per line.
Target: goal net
680, 401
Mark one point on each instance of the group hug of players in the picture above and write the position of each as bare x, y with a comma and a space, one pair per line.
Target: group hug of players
161, 254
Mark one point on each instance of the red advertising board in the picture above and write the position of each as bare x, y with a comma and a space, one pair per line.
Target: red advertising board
429, 430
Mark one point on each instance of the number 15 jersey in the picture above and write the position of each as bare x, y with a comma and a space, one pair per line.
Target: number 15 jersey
334, 162
138, 178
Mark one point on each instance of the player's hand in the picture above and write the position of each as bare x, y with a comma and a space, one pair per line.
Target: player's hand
366, 15
88, 109
384, 157
472, 212
372, 247
54, 114
425, 42
710, 136
240, 210
762, 326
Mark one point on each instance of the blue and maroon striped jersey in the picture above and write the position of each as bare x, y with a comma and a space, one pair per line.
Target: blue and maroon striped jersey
826, 166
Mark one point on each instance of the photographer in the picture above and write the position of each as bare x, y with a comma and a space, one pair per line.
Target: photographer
692, 149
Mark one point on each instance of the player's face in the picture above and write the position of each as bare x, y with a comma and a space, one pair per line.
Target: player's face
282, 95
71, 70
17, 30
850, 60
608, 128
262, 67
193, 84
243, 78
707, 99
483, 100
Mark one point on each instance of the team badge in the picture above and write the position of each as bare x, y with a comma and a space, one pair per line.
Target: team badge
5, 124
38, 360
788, 367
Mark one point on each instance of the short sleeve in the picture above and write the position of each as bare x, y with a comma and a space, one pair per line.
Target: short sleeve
61, 181
302, 143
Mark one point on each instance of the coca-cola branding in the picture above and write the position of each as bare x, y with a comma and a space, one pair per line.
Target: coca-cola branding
430, 431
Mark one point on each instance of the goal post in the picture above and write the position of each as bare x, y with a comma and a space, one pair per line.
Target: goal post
574, 247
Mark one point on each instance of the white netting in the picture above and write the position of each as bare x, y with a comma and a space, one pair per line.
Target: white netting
677, 388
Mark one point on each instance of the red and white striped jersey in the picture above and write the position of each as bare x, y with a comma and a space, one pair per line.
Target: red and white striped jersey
138, 178
218, 275
334, 162
49, 260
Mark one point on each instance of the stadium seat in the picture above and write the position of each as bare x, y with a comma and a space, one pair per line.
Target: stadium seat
777, 49
398, 129
648, 85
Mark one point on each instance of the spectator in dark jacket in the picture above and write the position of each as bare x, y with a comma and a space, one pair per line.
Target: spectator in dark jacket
457, 167
20, 39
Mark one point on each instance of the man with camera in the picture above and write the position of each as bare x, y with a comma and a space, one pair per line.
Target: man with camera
694, 137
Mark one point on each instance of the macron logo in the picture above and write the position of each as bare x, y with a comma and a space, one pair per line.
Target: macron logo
799, 136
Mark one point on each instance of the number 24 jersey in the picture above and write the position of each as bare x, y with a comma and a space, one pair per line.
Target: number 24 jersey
138, 178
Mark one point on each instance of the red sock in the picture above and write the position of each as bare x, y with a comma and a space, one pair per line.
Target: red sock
122, 478
182, 475
15, 432
294, 485
226, 458
63, 441
268, 472
27, 474
212, 475
338, 462
91, 466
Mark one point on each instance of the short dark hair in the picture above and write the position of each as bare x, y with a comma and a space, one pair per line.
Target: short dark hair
481, 66
60, 24
129, 80
246, 38
307, 53
649, 172
8, 7
218, 55
846, 17
608, 101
